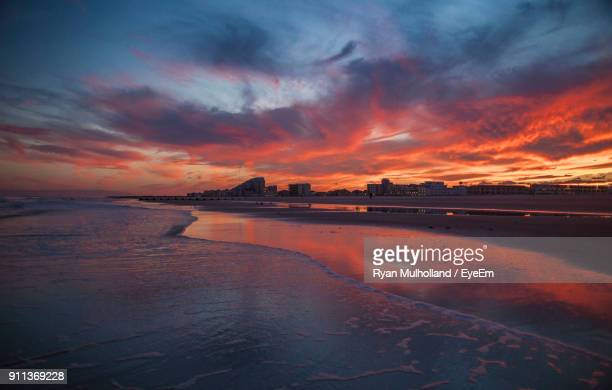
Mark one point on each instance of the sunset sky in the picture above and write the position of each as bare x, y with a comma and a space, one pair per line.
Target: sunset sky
178, 96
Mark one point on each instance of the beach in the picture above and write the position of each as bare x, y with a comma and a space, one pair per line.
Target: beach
545, 308
132, 299
563, 216
585, 202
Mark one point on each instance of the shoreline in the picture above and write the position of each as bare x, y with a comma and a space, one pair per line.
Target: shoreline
409, 301
177, 298
601, 203
462, 225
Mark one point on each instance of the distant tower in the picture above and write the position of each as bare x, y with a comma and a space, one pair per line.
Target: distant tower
254, 186
386, 186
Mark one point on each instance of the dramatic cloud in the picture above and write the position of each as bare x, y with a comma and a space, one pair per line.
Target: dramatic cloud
235, 42
176, 97
346, 51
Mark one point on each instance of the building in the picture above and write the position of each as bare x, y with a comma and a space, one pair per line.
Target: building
271, 190
570, 189
586, 189
254, 186
386, 186
340, 192
299, 189
548, 189
405, 189
433, 188
498, 189
374, 189
458, 190
216, 193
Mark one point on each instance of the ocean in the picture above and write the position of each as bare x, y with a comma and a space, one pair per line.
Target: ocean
134, 297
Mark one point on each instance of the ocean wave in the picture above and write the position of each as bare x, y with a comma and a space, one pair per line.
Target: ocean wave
178, 229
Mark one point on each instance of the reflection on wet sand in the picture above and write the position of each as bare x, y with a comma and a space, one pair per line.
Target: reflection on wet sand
113, 294
126, 303
449, 211
575, 313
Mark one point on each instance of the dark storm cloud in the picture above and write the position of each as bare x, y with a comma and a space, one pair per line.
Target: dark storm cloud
235, 43
499, 127
346, 51
566, 144
157, 118
488, 41
52, 130
394, 82
55, 149
549, 76
598, 116
82, 150
11, 94
530, 48
297, 123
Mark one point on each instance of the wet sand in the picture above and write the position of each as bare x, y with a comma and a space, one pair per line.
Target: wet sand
465, 225
586, 203
575, 313
126, 303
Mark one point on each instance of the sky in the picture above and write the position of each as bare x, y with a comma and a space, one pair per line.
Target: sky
165, 97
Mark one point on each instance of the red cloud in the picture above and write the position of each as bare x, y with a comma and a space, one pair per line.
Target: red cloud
370, 127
